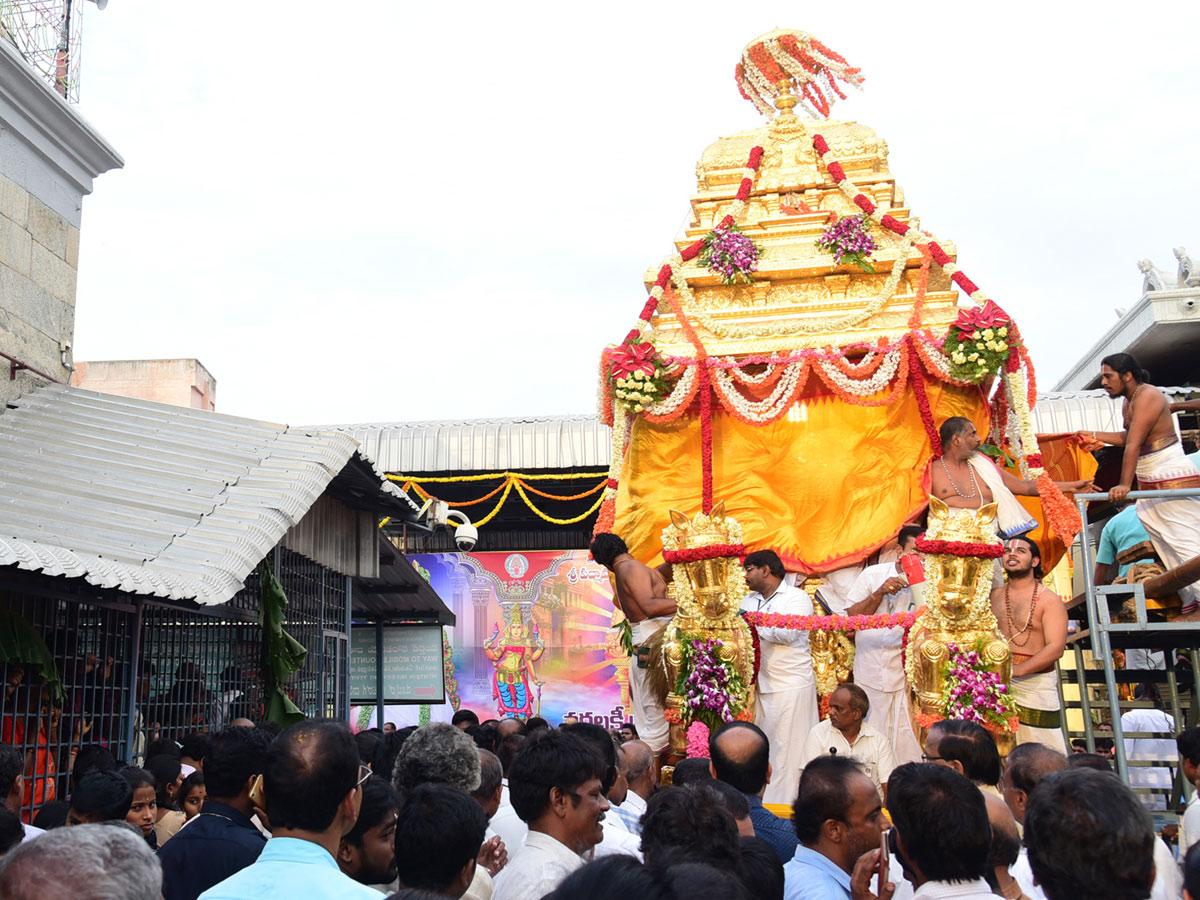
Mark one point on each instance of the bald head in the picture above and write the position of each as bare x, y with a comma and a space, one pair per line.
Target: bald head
241, 723
639, 768
1028, 764
739, 752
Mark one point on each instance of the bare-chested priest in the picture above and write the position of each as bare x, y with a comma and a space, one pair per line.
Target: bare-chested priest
641, 594
1155, 456
964, 478
1034, 620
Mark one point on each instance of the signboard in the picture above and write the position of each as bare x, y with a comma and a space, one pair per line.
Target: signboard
413, 668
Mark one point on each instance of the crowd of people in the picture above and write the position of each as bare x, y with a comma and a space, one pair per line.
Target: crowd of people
519, 810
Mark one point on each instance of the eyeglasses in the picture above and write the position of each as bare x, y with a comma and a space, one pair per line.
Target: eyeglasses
364, 772
929, 759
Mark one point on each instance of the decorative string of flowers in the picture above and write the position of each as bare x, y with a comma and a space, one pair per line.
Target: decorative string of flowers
793, 55
849, 238
712, 690
959, 548
697, 740
832, 623
710, 551
638, 374
729, 253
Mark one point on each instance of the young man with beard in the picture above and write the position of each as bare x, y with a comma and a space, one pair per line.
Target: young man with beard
367, 852
1034, 620
838, 818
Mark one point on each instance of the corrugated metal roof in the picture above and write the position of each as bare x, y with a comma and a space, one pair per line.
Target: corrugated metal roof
1063, 411
155, 499
485, 445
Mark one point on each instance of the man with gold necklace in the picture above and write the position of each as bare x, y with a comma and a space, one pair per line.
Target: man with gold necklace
1034, 620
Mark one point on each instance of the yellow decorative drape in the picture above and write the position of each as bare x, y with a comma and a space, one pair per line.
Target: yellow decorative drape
824, 487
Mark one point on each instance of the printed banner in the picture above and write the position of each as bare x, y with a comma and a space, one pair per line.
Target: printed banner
534, 638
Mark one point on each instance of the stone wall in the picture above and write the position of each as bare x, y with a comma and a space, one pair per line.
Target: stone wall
39, 258
49, 156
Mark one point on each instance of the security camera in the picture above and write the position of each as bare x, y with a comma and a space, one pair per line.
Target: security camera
1189, 303
466, 536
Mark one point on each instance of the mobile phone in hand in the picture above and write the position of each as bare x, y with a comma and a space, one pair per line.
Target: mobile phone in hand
884, 857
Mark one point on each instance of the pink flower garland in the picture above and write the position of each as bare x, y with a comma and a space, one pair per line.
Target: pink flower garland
697, 741
831, 623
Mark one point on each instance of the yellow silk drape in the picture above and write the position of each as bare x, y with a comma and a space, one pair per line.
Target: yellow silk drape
825, 486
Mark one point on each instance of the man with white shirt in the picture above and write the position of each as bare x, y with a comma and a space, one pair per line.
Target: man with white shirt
12, 785
1157, 749
845, 733
617, 838
787, 693
1188, 744
942, 834
555, 783
505, 822
639, 773
878, 652
1027, 765
1088, 836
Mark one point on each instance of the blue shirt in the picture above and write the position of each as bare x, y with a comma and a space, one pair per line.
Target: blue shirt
811, 876
290, 868
216, 844
1122, 531
775, 831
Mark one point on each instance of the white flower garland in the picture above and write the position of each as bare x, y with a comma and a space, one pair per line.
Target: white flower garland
868, 386
1018, 409
681, 393
767, 409
743, 377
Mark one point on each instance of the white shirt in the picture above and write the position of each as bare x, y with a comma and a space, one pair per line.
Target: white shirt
537, 869
631, 811
31, 831
786, 662
871, 749
1189, 826
1021, 871
617, 839
946, 890
1157, 749
878, 653
1168, 880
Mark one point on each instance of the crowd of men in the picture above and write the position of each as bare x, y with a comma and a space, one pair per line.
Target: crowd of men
517, 810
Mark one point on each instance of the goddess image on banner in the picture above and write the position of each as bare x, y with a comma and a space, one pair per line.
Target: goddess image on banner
534, 636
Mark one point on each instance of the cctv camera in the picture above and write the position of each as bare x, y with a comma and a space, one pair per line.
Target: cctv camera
466, 536
1189, 303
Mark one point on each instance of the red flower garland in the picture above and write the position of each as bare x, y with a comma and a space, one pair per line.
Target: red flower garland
831, 623
757, 644
960, 548
918, 384
706, 494
712, 551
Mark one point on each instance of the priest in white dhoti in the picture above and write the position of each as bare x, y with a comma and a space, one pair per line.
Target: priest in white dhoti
878, 652
787, 690
1154, 454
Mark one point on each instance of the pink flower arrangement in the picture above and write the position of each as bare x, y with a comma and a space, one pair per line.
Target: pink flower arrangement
831, 623
973, 692
712, 691
697, 740
633, 357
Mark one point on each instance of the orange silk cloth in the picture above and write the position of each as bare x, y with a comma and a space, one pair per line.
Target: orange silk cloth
824, 487
1065, 458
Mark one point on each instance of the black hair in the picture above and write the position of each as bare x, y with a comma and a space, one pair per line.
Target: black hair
549, 760
972, 745
1123, 363
92, 758
954, 425
1191, 870
601, 743
747, 775
137, 778
606, 547
438, 832
491, 776
195, 779
12, 764
730, 797
617, 877
162, 747
768, 558
1006, 845
536, 723
509, 747
1089, 836
759, 869
384, 763
235, 754
379, 798
1089, 761
688, 824
692, 770
1029, 763
367, 742
415, 894
12, 832
52, 815
309, 770
464, 715
909, 531
486, 735
699, 881
271, 729
104, 796
1035, 551
942, 821
194, 745
165, 770
823, 794
1188, 744
858, 697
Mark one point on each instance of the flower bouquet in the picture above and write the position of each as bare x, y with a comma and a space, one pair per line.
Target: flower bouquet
730, 254
711, 688
973, 692
638, 374
979, 343
849, 239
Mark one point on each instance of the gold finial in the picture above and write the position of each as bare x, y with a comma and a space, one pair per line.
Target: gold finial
785, 101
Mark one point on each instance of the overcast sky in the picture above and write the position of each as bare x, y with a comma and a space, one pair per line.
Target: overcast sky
437, 211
